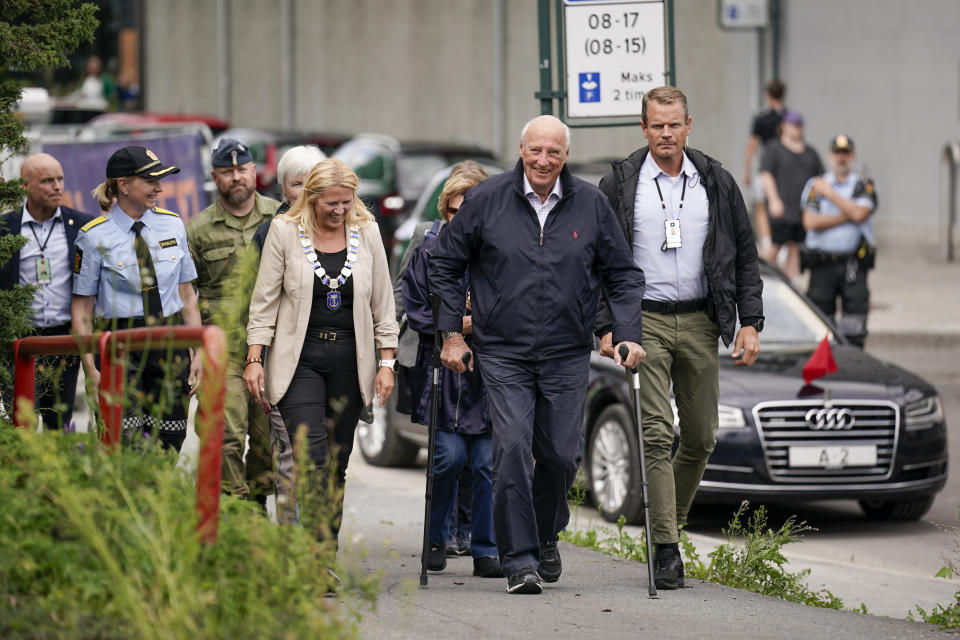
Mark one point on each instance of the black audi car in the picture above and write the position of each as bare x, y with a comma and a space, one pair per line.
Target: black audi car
871, 431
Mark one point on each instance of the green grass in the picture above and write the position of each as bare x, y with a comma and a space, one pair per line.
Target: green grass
750, 559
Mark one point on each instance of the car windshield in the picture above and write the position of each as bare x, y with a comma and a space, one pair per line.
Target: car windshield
415, 171
789, 321
365, 158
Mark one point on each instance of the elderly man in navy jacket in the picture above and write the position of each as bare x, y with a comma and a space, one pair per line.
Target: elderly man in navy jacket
538, 243
46, 261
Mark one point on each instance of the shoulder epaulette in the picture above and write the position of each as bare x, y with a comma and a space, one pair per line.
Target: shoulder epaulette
166, 212
93, 223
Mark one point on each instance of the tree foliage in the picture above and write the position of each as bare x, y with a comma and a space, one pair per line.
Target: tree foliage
34, 34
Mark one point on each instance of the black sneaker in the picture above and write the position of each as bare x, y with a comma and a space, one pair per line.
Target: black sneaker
550, 567
668, 569
487, 567
456, 547
436, 558
524, 581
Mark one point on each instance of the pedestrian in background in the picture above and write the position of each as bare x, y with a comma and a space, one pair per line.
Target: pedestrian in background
463, 431
691, 235
46, 262
788, 162
323, 304
838, 216
538, 243
133, 268
765, 127
218, 235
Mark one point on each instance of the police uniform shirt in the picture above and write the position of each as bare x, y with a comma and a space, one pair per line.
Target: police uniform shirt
844, 238
51, 302
106, 262
674, 274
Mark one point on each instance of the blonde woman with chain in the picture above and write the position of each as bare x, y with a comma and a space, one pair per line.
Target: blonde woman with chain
323, 304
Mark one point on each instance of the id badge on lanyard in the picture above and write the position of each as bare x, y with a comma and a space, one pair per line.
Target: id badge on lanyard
672, 239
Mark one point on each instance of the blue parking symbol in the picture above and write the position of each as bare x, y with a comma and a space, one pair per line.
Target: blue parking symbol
589, 87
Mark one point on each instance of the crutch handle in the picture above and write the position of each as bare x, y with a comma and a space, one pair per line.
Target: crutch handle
624, 352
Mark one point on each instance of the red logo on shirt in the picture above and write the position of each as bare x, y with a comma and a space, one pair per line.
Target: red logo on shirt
575, 235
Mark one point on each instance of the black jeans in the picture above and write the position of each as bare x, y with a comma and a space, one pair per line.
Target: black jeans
325, 396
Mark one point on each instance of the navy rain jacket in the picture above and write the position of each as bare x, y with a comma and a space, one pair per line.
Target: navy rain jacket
463, 402
535, 292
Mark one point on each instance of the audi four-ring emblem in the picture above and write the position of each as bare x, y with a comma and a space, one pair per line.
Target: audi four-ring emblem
830, 419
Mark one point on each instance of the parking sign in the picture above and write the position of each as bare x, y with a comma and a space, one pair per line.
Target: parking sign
614, 53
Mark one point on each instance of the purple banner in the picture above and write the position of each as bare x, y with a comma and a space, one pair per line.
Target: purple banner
84, 167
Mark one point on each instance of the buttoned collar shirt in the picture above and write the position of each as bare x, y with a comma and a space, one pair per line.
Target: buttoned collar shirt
844, 238
674, 274
51, 302
108, 266
542, 208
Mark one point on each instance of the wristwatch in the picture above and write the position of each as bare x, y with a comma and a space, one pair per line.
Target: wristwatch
758, 325
393, 365
446, 335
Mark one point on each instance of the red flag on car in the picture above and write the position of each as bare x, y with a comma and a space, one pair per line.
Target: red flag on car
820, 363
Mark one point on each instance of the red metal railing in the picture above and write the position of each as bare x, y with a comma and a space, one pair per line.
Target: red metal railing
111, 345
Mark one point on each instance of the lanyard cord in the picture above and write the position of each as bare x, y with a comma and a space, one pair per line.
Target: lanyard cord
683, 193
43, 246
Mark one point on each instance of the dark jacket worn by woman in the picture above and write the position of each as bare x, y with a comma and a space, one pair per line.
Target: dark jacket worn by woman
729, 250
462, 400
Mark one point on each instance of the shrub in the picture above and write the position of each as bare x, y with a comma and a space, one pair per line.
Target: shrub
100, 545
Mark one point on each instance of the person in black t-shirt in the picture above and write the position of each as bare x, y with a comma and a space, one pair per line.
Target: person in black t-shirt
787, 165
765, 127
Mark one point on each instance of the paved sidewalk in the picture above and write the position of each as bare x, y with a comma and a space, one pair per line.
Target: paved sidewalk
914, 292
597, 597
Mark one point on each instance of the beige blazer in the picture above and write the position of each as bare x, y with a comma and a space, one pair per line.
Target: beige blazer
283, 296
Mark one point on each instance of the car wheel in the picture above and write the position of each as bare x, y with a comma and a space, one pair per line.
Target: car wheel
381, 445
613, 466
906, 510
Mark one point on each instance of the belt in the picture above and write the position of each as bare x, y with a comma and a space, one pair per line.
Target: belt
136, 322
674, 307
332, 336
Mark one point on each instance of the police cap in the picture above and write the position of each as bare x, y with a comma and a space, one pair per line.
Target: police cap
137, 161
231, 153
842, 143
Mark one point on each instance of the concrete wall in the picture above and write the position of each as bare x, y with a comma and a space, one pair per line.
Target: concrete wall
884, 71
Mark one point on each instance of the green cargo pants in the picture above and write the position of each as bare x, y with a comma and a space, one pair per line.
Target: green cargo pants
681, 348
243, 417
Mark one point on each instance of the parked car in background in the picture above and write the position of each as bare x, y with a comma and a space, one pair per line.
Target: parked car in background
134, 121
870, 432
394, 174
268, 146
425, 209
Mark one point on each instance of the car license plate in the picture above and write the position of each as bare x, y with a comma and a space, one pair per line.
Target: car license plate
834, 457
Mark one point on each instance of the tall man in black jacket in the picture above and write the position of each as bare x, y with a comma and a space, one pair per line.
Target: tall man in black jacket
538, 243
46, 261
687, 224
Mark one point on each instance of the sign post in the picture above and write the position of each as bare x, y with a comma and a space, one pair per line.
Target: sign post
609, 54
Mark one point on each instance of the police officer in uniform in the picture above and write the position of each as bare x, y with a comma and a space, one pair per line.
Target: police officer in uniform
838, 216
217, 236
133, 268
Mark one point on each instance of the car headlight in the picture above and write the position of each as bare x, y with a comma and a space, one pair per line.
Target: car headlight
731, 417
923, 412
